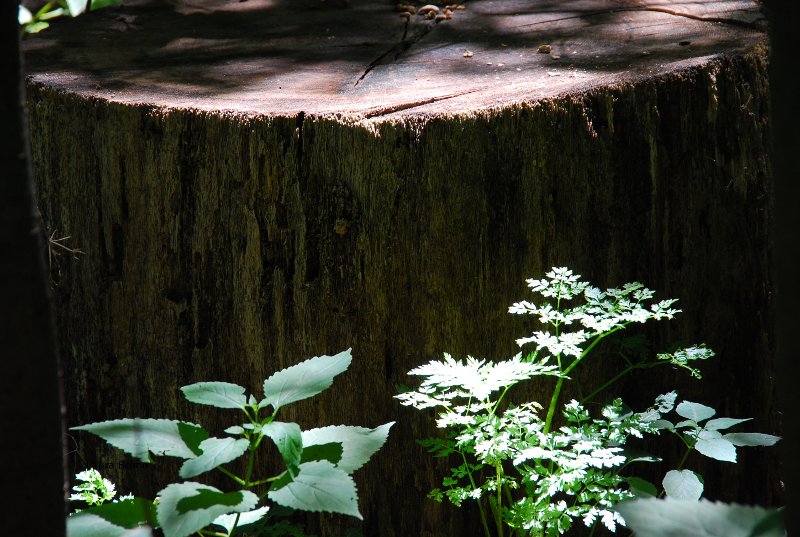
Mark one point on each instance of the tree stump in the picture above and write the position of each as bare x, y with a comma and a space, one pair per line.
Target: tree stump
253, 183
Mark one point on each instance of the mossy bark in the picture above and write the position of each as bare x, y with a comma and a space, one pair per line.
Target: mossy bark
224, 247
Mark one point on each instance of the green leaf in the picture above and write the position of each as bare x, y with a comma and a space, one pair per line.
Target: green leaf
651, 517
126, 513
24, 16
111, 519
303, 380
319, 487
140, 437
250, 517
185, 508
215, 452
288, 438
751, 439
218, 394
663, 424
358, 443
331, 452
235, 429
76, 7
641, 487
718, 424
716, 448
694, 411
683, 485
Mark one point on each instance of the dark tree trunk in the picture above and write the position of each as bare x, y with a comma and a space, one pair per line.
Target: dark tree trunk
785, 42
243, 204
31, 413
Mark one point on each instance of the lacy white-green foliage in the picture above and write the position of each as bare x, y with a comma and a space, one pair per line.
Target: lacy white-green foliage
319, 462
536, 479
94, 489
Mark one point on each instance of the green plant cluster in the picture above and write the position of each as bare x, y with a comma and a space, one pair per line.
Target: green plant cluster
319, 463
37, 21
533, 476
531, 469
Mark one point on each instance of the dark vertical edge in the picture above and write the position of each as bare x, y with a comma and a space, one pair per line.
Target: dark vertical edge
785, 43
31, 406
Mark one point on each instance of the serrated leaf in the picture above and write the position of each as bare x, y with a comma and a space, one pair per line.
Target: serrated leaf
111, 519
185, 508
719, 424
303, 380
720, 449
751, 439
140, 437
288, 438
128, 513
215, 452
694, 411
85, 524
358, 443
319, 487
331, 452
227, 521
651, 517
682, 485
641, 487
235, 429
216, 394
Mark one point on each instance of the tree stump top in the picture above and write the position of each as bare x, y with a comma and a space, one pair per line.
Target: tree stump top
367, 62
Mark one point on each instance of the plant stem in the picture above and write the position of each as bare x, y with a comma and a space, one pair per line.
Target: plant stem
484, 522
233, 476
615, 378
551, 410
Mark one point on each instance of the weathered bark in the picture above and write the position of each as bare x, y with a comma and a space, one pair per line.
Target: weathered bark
31, 414
225, 245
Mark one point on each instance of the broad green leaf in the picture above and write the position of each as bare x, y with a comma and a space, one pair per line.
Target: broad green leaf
716, 448
76, 7
682, 485
215, 452
641, 487
288, 438
331, 452
320, 486
185, 508
97, 4
235, 429
718, 424
112, 519
358, 443
694, 411
227, 521
218, 394
652, 517
24, 16
663, 424
128, 513
140, 437
303, 380
751, 439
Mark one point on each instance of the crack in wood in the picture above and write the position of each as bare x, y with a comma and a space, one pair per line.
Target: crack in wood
413, 104
724, 20
405, 43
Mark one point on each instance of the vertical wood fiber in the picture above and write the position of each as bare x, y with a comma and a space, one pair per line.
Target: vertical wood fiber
221, 247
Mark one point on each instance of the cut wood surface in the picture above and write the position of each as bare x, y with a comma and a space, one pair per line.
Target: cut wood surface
365, 61
254, 183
